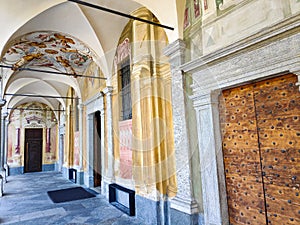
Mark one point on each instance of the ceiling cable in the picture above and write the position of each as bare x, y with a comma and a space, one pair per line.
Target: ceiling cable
40, 96
36, 109
120, 13
53, 72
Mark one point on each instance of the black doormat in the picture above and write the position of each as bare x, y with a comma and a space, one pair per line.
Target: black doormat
69, 194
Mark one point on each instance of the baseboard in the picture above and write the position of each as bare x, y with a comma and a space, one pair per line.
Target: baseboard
178, 218
48, 167
15, 170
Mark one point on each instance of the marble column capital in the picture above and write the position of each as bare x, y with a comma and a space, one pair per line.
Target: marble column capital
176, 53
108, 90
2, 102
4, 115
297, 72
80, 106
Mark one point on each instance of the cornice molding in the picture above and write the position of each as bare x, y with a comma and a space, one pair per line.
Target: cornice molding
288, 26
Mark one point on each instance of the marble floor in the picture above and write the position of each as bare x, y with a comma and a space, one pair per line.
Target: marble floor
25, 201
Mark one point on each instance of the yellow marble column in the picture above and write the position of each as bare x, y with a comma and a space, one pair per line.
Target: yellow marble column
153, 141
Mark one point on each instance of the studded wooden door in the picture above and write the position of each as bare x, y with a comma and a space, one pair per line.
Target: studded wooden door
261, 149
33, 150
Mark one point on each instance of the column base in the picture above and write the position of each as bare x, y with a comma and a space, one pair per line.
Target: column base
185, 211
160, 213
105, 186
147, 210
48, 167
179, 217
80, 177
3, 174
184, 205
1, 186
65, 172
6, 169
15, 170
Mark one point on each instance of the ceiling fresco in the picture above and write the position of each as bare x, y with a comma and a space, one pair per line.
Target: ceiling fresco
49, 49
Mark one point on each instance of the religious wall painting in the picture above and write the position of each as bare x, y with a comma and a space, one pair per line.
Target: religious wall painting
186, 21
49, 49
31, 115
205, 4
123, 52
125, 140
196, 8
76, 148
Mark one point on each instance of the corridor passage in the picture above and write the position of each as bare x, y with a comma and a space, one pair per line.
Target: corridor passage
26, 202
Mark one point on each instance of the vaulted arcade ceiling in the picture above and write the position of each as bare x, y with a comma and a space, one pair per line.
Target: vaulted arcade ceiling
49, 49
64, 36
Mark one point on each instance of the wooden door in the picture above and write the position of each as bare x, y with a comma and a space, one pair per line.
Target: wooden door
242, 157
277, 104
33, 150
261, 149
97, 149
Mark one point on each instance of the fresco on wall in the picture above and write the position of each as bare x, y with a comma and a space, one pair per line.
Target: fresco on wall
196, 8
49, 49
76, 148
26, 117
205, 4
186, 22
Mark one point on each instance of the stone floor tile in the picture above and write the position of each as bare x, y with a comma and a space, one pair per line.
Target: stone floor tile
25, 202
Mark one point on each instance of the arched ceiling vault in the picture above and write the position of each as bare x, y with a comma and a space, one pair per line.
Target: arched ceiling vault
52, 31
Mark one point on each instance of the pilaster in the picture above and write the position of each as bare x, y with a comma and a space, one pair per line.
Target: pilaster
90, 152
184, 200
108, 155
211, 159
109, 131
80, 108
81, 169
6, 146
93, 105
297, 72
2, 170
3, 138
1, 186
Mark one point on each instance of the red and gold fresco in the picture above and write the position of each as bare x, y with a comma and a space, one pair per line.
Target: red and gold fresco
42, 117
49, 49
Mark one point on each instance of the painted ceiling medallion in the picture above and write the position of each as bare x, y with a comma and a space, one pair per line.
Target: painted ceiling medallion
49, 49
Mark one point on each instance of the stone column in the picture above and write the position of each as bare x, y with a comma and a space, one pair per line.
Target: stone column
1, 186
109, 131
6, 146
107, 127
297, 72
184, 201
3, 150
2, 170
90, 151
81, 169
211, 159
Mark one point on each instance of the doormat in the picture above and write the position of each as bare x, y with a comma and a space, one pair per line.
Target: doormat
69, 194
